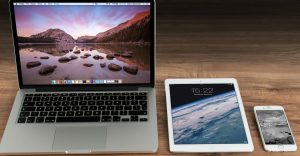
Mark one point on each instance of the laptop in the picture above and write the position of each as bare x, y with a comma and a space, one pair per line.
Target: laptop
86, 77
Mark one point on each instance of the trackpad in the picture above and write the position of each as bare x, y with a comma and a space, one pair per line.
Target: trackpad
79, 138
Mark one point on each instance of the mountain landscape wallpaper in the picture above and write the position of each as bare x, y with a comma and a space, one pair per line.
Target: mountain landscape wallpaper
86, 42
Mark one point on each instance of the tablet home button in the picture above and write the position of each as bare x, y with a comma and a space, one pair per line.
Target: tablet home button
281, 147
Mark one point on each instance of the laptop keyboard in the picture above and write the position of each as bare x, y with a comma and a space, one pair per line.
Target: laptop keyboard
84, 107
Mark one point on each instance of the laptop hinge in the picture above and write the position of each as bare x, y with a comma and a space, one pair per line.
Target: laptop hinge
54, 89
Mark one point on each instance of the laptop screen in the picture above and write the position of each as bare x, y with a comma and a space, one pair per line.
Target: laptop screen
84, 43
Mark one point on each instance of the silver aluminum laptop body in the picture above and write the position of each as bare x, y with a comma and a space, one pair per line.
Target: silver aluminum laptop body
83, 137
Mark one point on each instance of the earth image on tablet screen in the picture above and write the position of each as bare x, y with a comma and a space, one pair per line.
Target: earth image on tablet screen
213, 120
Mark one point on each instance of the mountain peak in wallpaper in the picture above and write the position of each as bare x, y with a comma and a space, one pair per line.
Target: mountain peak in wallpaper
134, 30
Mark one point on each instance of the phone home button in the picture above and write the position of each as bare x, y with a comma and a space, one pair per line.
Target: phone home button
280, 147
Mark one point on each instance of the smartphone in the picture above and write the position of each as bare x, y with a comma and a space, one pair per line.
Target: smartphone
274, 128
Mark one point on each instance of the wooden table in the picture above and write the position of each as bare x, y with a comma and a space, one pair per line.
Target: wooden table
255, 41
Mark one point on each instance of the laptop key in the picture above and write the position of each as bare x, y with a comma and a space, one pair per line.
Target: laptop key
104, 98
97, 113
101, 107
141, 98
28, 109
39, 103
24, 114
125, 102
34, 114
114, 113
87, 113
49, 109
70, 113
61, 113
143, 102
56, 103
52, 113
93, 108
45, 98
137, 112
43, 113
28, 99
50, 119
100, 102
113, 98
142, 93
110, 107
36, 99
77, 119
73, 94
127, 107
117, 102
105, 112
82, 102
130, 98
21, 120
106, 119
119, 107
48, 104
74, 103
79, 113
134, 102
125, 119
143, 119
30, 120
144, 107
116, 118
134, 118
65, 103
28, 104
62, 98
123, 112
75, 108
84, 108
58, 108
136, 107
66, 108
81, 94
39, 119
91, 103
108, 102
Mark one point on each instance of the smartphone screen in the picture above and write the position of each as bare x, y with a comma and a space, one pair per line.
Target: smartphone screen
274, 127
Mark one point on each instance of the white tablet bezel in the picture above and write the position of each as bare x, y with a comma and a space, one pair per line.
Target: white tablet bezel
207, 147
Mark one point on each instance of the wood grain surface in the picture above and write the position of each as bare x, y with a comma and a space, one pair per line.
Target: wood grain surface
255, 41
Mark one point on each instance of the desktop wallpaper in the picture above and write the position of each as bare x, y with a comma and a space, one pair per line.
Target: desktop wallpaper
206, 114
70, 44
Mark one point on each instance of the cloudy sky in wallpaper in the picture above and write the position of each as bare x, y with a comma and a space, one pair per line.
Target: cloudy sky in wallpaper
76, 20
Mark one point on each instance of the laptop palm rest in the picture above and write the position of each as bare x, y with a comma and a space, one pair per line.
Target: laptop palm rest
79, 138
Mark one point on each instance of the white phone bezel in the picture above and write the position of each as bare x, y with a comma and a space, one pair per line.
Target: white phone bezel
274, 148
207, 147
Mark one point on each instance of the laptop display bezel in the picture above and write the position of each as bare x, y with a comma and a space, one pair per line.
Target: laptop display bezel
74, 86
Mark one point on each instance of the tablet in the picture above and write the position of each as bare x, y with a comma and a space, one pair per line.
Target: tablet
206, 115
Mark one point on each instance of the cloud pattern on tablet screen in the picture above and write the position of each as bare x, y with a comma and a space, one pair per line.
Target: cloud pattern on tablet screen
215, 120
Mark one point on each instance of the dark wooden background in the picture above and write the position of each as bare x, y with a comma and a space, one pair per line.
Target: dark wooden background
255, 41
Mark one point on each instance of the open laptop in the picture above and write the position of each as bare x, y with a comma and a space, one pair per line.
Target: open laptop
86, 77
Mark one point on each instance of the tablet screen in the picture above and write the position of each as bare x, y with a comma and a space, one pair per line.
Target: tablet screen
206, 114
